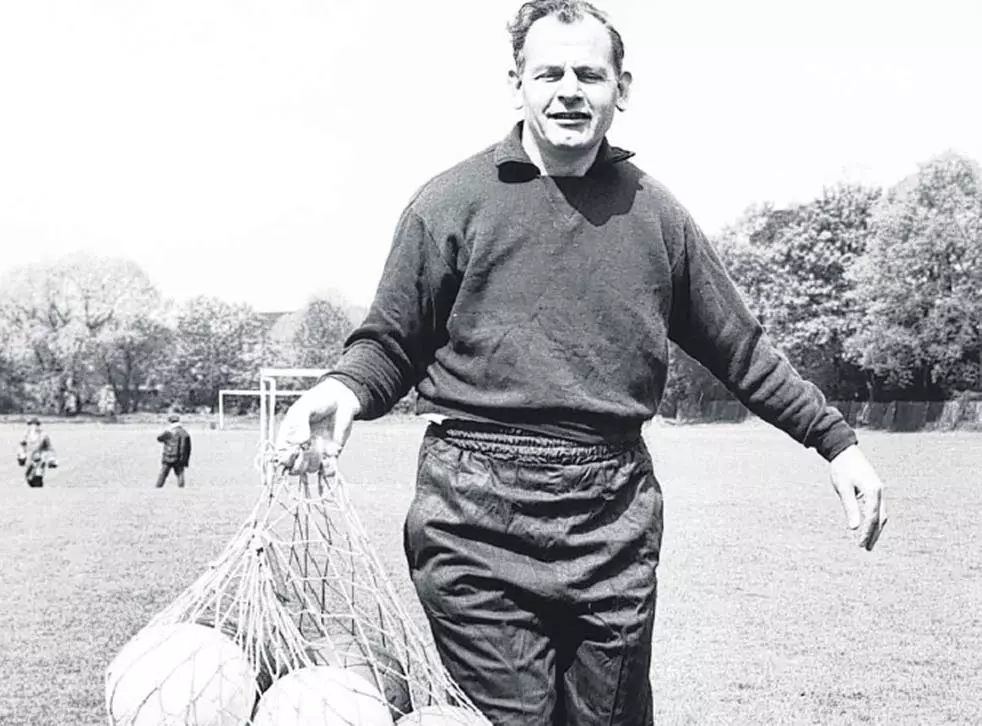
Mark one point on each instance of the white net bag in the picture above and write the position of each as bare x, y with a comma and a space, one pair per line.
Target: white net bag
294, 624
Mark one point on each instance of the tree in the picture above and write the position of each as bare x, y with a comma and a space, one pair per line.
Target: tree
217, 345
791, 265
920, 284
58, 311
821, 243
321, 334
133, 355
746, 248
12, 372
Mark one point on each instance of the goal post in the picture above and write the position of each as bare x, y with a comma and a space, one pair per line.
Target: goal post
269, 391
241, 392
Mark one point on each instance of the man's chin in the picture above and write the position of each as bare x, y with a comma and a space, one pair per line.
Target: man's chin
571, 144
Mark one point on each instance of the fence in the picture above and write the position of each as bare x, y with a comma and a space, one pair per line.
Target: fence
886, 416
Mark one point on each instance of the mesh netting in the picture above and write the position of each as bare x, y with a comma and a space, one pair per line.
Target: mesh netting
294, 623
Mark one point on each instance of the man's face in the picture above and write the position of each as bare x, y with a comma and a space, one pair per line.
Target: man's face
569, 87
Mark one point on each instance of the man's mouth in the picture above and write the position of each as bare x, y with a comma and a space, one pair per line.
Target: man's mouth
570, 116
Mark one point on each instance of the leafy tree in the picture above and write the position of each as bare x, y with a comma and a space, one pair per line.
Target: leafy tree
12, 372
791, 265
58, 311
216, 345
133, 355
747, 250
321, 334
821, 242
920, 284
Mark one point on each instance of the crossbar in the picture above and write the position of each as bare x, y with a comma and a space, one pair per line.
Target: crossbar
292, 372
243, 392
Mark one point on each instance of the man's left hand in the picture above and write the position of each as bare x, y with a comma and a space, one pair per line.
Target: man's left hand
862, 494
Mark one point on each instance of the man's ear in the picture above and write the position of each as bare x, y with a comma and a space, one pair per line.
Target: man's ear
515, 82
623, 90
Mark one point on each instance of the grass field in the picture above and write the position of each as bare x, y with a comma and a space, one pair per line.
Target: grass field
768, 612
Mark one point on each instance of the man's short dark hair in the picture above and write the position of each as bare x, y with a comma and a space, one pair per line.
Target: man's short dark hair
173, 418
566, 11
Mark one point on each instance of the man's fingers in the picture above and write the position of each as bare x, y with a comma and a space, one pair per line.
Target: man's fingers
320, 445
873, 525
340, 431
850, 505
320, 421
875, 528
327, 436
294, 431
875, 520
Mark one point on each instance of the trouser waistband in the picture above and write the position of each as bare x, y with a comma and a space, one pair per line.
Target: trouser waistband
506, 442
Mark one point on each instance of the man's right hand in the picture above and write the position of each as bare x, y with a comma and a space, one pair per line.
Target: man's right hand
321, 417
861, 493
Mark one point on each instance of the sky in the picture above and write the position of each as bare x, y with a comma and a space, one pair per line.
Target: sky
262, 150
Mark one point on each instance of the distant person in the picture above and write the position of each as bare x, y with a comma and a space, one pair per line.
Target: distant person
36, 454
176, 455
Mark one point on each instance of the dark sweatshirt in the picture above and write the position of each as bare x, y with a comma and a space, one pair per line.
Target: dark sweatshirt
547, 303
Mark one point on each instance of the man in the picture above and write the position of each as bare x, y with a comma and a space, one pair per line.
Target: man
176, 453
36, 454
529, 296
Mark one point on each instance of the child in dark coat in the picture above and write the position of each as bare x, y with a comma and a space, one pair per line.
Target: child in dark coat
36, 454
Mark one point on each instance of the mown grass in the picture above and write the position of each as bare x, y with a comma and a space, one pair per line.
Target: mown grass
768, 612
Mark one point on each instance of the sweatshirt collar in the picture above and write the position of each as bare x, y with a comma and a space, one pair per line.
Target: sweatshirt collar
510, 153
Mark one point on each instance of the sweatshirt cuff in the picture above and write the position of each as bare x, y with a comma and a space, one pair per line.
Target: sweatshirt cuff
371, 376
366, 401
836, 440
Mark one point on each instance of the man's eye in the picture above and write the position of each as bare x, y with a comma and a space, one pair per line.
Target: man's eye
549, 76
591, 77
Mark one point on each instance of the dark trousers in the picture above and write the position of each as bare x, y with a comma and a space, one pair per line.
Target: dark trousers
165, 469
535, 564
34, 474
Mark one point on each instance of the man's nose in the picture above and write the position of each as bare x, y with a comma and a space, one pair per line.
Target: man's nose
569, 85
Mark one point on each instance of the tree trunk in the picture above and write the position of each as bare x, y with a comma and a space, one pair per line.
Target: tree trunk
871, 393
61, 395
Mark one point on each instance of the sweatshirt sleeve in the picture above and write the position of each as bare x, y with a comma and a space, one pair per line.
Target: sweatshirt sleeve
711, 322
385, 356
